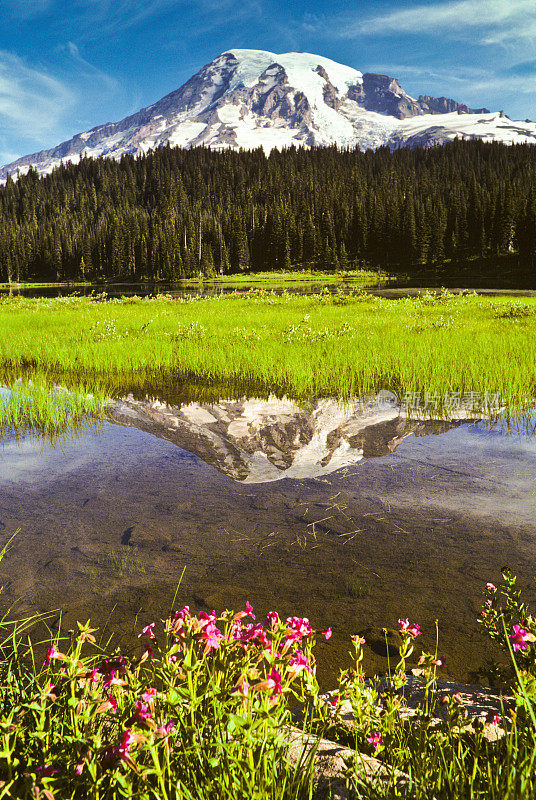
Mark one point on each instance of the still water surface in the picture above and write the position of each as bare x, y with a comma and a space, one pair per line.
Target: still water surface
353, 517
393, 288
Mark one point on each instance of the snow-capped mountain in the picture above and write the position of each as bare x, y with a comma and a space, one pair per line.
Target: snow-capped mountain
253, 98
264, 440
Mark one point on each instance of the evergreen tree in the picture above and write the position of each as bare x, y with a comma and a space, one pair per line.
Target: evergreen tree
172, 213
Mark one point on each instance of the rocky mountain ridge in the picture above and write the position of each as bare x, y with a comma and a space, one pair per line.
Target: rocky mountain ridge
254, 98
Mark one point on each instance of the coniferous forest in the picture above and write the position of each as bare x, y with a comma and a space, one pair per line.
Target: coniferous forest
174, 213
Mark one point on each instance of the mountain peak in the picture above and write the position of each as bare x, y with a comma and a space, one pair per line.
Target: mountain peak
255, 98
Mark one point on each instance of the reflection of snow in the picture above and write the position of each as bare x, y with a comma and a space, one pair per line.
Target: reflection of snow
262, 440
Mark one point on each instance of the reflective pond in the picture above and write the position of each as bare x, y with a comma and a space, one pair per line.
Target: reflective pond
348, 513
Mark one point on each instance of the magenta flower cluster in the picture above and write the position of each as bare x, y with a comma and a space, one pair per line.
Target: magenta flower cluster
410, 628
520, 638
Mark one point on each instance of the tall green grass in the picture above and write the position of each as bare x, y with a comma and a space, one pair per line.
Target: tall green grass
320, 344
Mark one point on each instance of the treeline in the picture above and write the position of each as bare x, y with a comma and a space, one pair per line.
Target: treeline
174, 213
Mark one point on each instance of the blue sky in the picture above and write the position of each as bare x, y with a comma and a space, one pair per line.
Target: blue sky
67, 65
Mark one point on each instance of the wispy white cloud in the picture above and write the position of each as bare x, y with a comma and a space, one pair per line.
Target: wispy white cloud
122, 14
31, 100
493, 20
115, 15
84, 69
33, 105
24, 9
454, 16
97, 18
203, 16
463, 78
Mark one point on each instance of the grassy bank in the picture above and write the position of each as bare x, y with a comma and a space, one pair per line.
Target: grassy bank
17, 286
203, 709
282, 277
320, 344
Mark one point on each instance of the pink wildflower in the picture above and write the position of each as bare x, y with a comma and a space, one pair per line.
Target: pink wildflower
287, 644
205, 619
120, 751
520, 637
248, 612
109, 664
327, 633
273, 618
147, 654
255, 633
149, 695
492, 718
111, 680
141, 712
273, 682
491, 587
300, 627
53, 654
107, 705
299, 662
46, 771
358, 640
177, 623
212, 636
409, 627
164, 730
375, 739
243, 686
274, 679
235, 630
148, 631
183, 614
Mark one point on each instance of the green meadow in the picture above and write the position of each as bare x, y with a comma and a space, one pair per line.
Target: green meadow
303, 345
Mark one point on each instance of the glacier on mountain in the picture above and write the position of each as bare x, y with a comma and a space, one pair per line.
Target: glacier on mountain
254, 98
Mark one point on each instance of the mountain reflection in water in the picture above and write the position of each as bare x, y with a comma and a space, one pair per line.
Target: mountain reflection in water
258, 441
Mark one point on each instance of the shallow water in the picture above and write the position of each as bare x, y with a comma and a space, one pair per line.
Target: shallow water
184, 289
392, 288
350, 517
